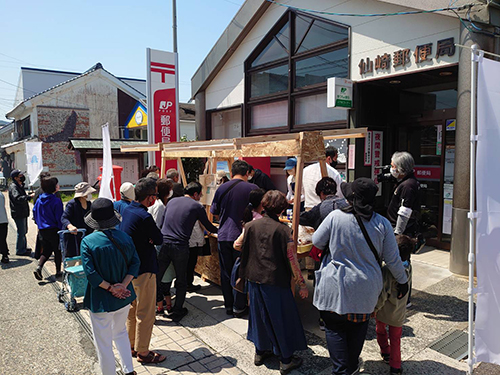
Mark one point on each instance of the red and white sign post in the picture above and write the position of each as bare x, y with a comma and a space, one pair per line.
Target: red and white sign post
163, 101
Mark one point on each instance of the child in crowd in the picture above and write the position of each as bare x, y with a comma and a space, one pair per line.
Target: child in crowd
47, 213
252, 212
391, 311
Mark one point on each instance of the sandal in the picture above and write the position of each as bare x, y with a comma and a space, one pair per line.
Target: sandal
152, 357
168, 304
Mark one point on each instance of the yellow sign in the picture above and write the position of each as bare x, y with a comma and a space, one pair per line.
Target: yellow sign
138, 117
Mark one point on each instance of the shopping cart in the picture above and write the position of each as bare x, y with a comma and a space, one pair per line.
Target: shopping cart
74, 279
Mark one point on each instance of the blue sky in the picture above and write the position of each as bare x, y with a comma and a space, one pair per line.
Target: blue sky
74, 35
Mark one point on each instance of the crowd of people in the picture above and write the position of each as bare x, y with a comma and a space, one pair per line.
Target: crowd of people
134, 249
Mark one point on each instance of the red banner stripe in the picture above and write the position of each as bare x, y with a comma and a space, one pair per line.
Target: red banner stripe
163, 71
160, 65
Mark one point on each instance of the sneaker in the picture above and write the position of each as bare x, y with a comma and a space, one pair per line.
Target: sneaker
408, 305
396, 371
38, 274
229, 312
193, 288
385, 357
296, 362
178, 315
5, 259
59, 275
321, 324
260, 358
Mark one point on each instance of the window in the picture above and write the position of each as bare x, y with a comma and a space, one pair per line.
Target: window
226, 124
285, 76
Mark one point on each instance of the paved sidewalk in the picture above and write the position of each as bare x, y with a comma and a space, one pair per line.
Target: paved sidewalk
208, 341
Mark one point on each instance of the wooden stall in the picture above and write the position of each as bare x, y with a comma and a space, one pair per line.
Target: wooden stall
305, 146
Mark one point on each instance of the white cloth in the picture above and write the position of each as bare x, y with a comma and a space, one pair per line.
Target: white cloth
3, 212
157, 210
487, 329
310, 177
107, 166
34, 164
197, 238
291, 193
106, 328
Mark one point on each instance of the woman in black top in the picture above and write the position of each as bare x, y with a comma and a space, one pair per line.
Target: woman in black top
73, 216
268, 260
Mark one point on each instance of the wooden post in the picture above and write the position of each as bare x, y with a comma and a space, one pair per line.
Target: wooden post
163, 166
181, 171
322, 166
230, 162
298, 192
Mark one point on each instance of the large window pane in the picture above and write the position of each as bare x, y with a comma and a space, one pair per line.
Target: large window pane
226, 124
318, 68
320, 34
269, 81
276, 49
312, 109
271, 115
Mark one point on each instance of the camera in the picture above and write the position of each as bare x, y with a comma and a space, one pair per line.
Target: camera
385, 175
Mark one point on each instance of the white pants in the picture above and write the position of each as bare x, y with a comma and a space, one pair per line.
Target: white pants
108, 327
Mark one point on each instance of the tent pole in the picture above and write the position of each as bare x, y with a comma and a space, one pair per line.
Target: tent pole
472, 204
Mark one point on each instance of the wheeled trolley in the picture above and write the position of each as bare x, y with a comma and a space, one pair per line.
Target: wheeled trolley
74, 280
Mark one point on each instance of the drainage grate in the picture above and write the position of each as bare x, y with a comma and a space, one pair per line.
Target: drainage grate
454, 345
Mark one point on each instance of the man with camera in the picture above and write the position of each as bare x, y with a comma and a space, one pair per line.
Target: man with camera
404, 206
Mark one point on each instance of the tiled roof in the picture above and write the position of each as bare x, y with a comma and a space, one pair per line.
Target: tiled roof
94, 144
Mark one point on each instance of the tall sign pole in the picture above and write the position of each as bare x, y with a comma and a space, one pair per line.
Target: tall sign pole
174, 23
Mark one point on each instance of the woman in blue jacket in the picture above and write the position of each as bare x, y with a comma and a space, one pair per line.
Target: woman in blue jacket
47, 213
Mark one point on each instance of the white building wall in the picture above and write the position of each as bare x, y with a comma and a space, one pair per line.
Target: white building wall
188, 128
370, 36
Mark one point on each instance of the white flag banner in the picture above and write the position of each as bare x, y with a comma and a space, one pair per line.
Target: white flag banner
488, 208
107, 165
34, 164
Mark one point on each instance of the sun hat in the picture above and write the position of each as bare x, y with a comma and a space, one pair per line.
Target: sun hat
290, 164
82, 189
127, 191
361, 194
102, 215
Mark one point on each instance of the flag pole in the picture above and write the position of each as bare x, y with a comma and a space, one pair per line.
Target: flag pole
472, 204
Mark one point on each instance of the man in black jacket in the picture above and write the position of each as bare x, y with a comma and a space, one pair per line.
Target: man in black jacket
259, 178
19, 210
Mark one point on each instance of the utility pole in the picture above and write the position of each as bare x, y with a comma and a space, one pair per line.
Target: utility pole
174, 23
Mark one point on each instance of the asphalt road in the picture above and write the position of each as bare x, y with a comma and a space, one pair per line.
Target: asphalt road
37, 334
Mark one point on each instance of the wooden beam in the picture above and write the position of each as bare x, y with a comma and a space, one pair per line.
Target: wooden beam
344, 133
296, 203
141, 148
181, 171
163, 166
266, 138
322, 167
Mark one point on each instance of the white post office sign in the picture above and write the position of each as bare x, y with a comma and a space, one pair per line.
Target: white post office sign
339, 93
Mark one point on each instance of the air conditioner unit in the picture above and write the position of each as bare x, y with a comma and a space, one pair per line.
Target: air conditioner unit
14, 136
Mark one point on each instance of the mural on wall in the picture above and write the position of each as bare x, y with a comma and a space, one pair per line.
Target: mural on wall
55, 127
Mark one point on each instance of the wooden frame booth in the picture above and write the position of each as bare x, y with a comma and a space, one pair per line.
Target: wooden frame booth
307, 146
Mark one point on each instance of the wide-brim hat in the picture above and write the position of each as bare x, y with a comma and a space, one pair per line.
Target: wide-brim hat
102, 215
82, 189
362, 188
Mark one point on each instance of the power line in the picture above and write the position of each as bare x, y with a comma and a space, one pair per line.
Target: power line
462, 7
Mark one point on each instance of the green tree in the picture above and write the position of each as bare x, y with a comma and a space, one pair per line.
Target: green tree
193, 167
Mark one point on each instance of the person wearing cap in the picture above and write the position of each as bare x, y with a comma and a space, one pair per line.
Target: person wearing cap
110, 262
349, 280
290, 168
19, 210
221, 177
47, 213
75, 211
127, 195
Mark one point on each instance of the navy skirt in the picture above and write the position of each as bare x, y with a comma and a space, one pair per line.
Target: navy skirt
274, 322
